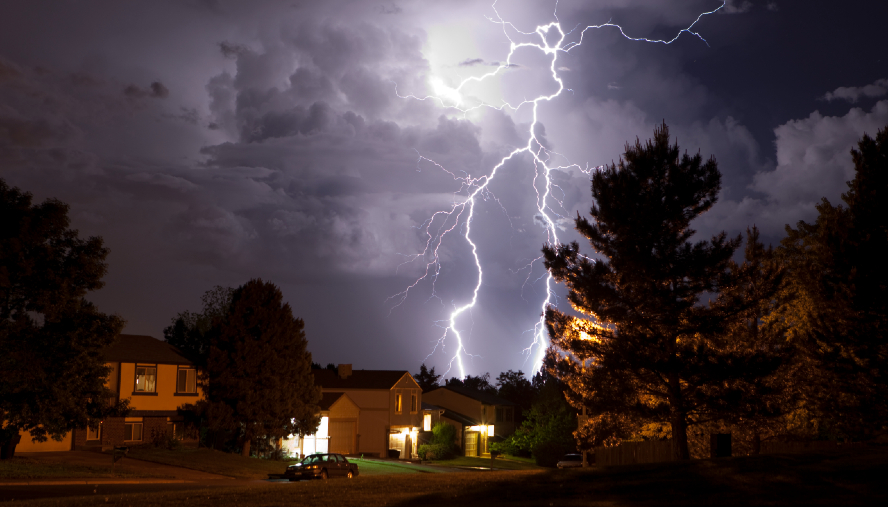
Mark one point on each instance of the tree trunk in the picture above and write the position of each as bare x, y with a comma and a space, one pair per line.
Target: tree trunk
680, 450
245, 447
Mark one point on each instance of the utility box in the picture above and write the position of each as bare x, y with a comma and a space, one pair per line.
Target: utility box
720, 445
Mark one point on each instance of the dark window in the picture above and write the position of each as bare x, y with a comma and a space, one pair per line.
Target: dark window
132, 431
187, 381
413, 403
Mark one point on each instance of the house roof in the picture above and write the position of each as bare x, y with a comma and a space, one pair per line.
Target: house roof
485, 398
460, 418
359, 379
328, 399
135, 348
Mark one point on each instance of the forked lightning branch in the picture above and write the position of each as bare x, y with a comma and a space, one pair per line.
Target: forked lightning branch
458, 218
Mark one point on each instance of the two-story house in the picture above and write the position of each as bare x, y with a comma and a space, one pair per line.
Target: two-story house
477, 416
389, 413
156, 379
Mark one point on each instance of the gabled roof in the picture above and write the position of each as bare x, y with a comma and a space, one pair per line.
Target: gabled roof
485, 398
135, 348
460, 418
359, 379
328, 399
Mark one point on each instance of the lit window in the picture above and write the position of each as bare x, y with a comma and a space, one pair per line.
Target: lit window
398, 403
187, 382
132, 431
427, 422
146, 379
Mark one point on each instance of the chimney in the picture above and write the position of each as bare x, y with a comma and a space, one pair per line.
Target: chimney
345, 370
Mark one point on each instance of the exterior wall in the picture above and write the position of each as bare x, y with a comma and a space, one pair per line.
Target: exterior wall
26, 445
165, 396
378, 416
450, 400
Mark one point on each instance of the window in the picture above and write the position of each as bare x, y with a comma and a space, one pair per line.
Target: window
398, 403
187, 381
427, 422
413, 403
132, 431
94, 432
146, 379
503, 414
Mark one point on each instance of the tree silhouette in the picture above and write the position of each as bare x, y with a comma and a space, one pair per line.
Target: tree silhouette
651, 350
258, 379
839, 314
52, 374
426, 378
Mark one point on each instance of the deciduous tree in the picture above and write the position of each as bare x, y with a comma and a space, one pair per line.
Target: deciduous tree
52, 374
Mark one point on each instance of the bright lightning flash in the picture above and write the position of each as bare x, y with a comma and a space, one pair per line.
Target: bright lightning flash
462, 211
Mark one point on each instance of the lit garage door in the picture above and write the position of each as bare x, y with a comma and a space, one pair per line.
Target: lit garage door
342, 437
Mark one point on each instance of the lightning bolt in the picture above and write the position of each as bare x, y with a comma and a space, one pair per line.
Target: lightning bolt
459, 216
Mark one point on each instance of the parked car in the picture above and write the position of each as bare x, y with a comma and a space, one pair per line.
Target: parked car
322, 466
571, 461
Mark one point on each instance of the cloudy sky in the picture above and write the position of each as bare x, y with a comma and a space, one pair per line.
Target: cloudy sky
210, 142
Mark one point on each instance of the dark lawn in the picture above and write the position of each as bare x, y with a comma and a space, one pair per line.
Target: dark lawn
845, 478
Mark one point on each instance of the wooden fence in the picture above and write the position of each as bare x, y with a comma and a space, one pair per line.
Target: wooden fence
813, 446
629, 453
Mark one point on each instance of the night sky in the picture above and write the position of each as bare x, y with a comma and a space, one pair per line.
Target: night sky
210, 142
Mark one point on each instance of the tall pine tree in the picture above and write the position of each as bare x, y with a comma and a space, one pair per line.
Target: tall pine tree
258, 379
839, 316
652, 349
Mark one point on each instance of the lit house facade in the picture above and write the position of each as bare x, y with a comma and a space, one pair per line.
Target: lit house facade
389, 412
155, 378
478, 417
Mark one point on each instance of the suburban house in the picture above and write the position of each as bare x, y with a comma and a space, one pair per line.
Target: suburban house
479, 418
389, 413
156, 379
336, 433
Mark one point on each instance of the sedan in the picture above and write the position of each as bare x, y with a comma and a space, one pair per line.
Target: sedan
571, 461
322, 466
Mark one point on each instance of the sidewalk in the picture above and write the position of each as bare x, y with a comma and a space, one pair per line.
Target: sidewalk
142, 472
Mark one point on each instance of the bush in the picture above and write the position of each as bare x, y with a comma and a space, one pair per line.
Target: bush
435, 451
444, 434
164, 439
548, 453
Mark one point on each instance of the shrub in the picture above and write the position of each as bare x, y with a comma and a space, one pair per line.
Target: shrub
444, 434
435, 451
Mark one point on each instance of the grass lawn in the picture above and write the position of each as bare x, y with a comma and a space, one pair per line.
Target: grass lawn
26, 468
215, 462
507, 463
839, 478
371, 467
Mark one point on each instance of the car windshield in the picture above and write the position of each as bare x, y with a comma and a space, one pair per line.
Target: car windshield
572, 457
314, 458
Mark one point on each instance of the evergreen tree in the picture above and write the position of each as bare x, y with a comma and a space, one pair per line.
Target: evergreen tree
52, 374
514, 386
840, 312
189, 331
652, 350
427, 379
258, 379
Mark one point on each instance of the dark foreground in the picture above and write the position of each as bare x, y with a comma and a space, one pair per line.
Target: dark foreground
837, 478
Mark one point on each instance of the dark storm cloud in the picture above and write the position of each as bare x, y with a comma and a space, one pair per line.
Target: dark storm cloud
269, 140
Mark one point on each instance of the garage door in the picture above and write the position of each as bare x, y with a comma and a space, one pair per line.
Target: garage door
342, 437
471, 443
